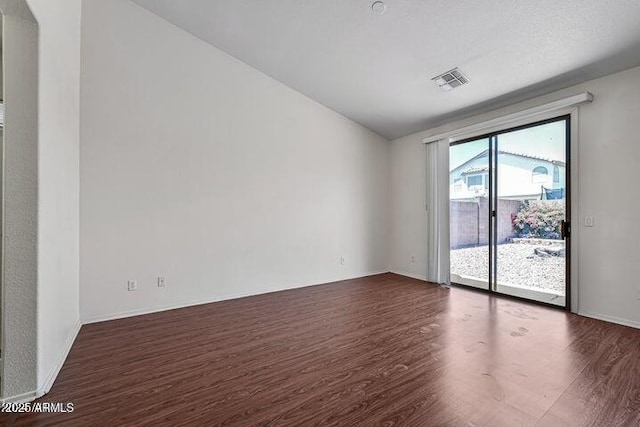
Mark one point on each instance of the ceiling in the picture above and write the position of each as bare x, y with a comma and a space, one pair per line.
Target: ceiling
377, 69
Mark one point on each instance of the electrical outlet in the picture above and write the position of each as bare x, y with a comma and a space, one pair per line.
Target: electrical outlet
588, 221
161, 281
413, 258
132, 285
341, 260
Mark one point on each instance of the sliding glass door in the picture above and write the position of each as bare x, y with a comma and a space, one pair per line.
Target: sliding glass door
469, 235
509, 212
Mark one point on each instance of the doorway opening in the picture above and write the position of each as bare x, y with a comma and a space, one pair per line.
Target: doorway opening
509, 211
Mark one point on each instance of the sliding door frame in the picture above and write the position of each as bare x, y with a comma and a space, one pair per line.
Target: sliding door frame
493, 203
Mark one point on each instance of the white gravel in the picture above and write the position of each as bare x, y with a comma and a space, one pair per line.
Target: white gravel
517, 265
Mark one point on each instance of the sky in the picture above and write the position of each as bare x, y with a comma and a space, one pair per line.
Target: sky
546, 141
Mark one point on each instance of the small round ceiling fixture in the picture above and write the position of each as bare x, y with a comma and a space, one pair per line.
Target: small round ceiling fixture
379, 8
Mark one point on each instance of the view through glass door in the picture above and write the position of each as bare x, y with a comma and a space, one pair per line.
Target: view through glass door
509, 211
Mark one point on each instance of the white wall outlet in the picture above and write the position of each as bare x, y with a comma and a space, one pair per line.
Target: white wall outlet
588, 221
413, 258
341, 260
132, 285
161, 281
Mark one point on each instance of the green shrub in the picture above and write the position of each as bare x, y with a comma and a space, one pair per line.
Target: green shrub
539, 218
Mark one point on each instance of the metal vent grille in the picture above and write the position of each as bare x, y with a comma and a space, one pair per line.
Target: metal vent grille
450, 80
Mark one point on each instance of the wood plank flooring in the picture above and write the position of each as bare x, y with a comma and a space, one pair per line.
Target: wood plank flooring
382, 350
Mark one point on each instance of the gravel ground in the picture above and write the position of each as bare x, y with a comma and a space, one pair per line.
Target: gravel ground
517, 265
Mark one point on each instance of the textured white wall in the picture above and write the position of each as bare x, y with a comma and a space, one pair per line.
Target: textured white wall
199, 168
20, 263
58, 184
607, 168
41, 265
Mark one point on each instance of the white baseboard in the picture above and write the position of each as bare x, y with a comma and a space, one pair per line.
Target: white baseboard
24, 397
62, 357
611, 319
51, 377
412, 275
156, 309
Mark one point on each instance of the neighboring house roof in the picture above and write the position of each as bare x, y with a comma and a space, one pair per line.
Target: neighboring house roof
555, 162
475, 170
485, 168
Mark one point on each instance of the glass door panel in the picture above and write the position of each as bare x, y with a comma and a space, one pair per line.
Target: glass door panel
469, 181
531, 209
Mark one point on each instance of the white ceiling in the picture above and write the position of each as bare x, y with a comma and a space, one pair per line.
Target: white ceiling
376, 69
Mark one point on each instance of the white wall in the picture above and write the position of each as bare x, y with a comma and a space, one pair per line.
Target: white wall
41, 211
608, 267
407, 194
58, 183
199, 168
20, 233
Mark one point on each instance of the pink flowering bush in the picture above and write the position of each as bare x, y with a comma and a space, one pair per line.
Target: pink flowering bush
539, 218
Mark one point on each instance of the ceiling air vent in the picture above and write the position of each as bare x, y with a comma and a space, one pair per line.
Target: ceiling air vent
450, 80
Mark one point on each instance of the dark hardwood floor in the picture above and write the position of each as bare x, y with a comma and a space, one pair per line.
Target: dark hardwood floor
382, 350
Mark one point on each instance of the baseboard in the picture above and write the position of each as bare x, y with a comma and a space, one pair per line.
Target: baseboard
159, 308
156, 309
62, 357
412, 275
51, 377
611, 319
24, 397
